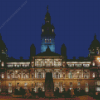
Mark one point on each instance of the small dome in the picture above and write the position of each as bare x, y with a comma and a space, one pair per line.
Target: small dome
95, 43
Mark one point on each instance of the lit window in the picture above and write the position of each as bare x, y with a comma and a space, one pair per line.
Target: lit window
42, 30
45, 40
24, 76
16, 71
8, 76
39, 75
86, 89
86, 65
27, 76
98, 89
2, 64
2, 76
86, 84
93, 75
93, 64
52, 30
18, 65
50, 40
78, 83
98, 82
70, 74
18, 75
25, 84
9, 84
9, 90
12, 75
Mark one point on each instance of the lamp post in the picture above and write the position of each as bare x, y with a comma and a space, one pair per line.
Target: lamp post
98, 59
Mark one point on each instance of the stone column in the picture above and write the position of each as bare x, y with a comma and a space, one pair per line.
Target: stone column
35, 73
43, 74
21, 73
52, 73
82, 72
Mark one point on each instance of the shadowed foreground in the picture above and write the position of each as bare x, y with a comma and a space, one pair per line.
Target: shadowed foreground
76, 98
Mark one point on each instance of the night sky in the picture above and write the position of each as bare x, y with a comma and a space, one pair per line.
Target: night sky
75, 22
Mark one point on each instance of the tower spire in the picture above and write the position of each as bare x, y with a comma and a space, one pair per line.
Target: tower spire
95, 36
47, 8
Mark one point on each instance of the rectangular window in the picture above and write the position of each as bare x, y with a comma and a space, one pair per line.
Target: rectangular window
98, 82
86, 89
2, 76
98, 89
9, 84
2, 64
93, 75
25, 84
86, 84
70, 65
9, 90
86, 65
78, 83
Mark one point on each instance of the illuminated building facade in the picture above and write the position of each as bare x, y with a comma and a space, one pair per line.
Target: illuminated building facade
67, 74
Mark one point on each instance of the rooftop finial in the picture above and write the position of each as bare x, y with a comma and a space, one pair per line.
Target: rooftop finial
95, 36
47, 8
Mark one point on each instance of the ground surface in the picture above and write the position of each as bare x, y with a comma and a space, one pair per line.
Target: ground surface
76, 98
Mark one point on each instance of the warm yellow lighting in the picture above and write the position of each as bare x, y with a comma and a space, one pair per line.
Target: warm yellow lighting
78, 72
98, 58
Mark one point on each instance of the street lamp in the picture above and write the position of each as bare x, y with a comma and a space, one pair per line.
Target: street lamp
98, 59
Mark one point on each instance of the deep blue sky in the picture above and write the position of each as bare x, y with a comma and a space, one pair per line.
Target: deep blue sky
75, 22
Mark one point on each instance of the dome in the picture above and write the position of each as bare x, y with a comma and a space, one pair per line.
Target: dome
95, 43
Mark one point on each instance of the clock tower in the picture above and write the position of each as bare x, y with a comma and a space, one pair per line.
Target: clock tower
48, 35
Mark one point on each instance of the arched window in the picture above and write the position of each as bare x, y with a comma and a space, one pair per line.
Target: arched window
27, 76
18, 75
57, 75
39, 75
70, 74
93, 75
2, 76
8, 76
12, 75
24, 76
32, 75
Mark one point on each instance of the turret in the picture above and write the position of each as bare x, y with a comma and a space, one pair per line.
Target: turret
94, 48
32, 50
63, 50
